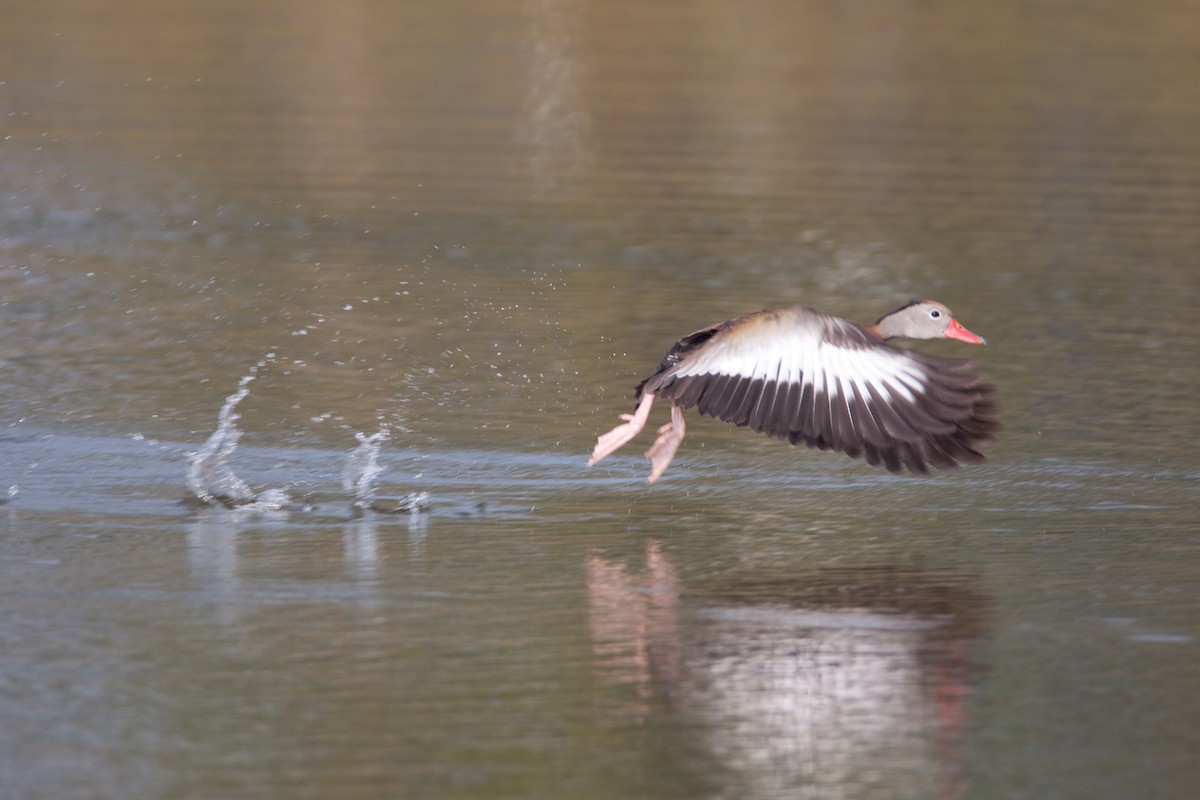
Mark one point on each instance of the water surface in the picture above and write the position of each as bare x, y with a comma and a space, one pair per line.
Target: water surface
252, 236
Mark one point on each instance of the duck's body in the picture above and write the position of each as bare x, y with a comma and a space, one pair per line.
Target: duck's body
804, 376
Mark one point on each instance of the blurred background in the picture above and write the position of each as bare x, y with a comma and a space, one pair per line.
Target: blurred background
468, 230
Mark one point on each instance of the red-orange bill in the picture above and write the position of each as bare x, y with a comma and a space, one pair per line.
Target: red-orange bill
957, 331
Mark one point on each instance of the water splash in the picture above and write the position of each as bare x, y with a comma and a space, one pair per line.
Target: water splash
210, 478
213, 482
361, 470
362, 467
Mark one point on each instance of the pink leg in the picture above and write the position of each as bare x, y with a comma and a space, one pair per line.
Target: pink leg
610, 442
670, 436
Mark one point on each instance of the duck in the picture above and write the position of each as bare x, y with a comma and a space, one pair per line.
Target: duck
804, 376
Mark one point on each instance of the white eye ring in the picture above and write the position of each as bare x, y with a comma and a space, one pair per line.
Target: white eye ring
935, 313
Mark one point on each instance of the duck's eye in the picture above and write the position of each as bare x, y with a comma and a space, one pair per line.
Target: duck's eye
935, 313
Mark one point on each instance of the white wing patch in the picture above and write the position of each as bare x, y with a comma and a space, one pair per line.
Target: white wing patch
789, 353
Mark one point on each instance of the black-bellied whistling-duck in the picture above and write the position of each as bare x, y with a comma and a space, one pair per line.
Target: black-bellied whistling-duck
804, 376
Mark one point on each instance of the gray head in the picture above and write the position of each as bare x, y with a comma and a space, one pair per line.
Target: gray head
923, 319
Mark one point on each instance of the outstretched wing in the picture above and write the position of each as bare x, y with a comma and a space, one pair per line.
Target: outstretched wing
808, 377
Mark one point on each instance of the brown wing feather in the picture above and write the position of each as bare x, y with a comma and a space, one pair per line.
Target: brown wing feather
942, 426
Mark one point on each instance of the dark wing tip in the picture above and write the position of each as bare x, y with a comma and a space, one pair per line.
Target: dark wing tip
943, 426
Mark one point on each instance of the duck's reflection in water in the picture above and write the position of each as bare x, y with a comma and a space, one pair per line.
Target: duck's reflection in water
836, 683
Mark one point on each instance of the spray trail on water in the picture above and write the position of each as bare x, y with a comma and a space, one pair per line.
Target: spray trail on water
210, 477
362, 467
361, 470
